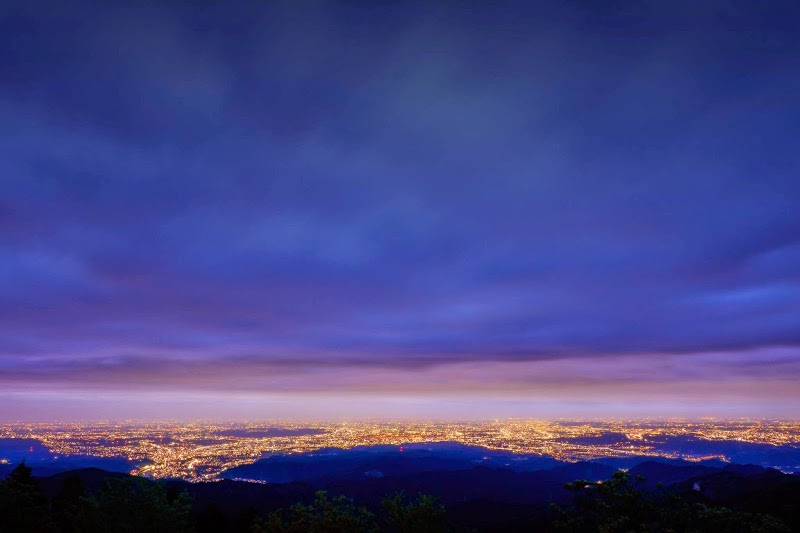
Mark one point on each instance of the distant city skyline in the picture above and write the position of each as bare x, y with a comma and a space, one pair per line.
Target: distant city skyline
340, 209
208, 451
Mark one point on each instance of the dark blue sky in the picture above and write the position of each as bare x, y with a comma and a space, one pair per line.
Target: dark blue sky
424, 197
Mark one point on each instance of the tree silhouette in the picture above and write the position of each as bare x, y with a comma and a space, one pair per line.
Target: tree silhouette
423, 515
620, 505
135, 504
323, 515
23, 507
70, 506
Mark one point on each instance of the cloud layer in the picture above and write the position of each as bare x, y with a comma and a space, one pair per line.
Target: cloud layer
206, 196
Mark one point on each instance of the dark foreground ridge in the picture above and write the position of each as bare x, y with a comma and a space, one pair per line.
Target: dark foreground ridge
651, 496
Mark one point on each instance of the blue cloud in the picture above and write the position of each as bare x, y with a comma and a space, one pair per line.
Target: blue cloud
346, 184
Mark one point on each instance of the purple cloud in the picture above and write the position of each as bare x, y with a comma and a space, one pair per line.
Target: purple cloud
193, 195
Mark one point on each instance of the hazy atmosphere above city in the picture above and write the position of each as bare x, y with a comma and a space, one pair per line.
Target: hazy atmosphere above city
334, 210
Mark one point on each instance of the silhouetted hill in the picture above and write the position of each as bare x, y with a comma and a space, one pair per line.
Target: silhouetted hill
732, 485
479, 498
381, 461
667, 473
93, 479
750, 489
44, 462
762, 454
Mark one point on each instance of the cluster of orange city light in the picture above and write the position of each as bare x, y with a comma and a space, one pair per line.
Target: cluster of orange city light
202, 451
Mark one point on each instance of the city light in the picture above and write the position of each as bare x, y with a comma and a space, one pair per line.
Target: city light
202, 451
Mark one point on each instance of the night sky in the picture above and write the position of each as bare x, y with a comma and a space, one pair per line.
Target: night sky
404, 209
